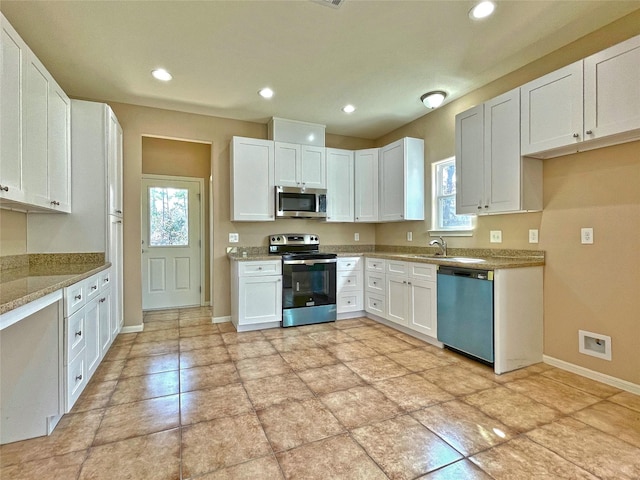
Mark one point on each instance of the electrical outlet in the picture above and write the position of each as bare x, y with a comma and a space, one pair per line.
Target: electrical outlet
495, 236
533, 235
586, 236
409, 236
356, 237
234, 238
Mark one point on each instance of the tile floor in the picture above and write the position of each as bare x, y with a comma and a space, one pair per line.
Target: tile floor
187, 399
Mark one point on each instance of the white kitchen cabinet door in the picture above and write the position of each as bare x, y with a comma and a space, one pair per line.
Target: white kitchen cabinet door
470, 160
287, 164
551, 111
93, 352
375, 304
396, 288
252, 180
13, 65
59, 149
422, 300
105, 319
114, 163
115, 256
260, 299
612, 90
313, 167
340, 185
366, 185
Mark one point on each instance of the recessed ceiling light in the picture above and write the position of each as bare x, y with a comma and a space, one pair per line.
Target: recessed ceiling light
161, 74
348, 109
266, 93
433, 99
482, 10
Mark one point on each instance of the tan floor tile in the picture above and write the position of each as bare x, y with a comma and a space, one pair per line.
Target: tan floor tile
330, 378
242, 350
582, 383
147, 365
199, 330
221, 443
118, 352
291, 424
271, 333
195, 321
309, 358
511, 408
138, 418
553, 394
352, 323
160, 325
404, 448
268, 391
226, 327
418, 359
211, 403
359, 406
298, 342
464, 427
519, 374
234, 337
627, 399
350, 351
134, 389
363, 333
265, 468
160, 315
412, 392
600, 454
124, 339
618, 421
62, 467
195, 312
387, 344
108, 371
204, 356
416, 342
155, 456
458, 380
95, 395
332, 337
208, 376
204, 341
461, 470
157, 335
335, 458
521, 459
260, 367
319, 327
374, 369
153, 348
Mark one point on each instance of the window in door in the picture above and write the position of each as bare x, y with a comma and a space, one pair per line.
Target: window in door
168, 217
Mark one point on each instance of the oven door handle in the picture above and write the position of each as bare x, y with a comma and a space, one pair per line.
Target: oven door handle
309, 262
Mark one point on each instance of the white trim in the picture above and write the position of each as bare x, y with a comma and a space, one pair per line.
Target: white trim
221, 319
132, 328
14, 316
593, 375
450, 233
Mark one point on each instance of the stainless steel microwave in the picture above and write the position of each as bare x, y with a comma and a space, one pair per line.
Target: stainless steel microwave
292, 202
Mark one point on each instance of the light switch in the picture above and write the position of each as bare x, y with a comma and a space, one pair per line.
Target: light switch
533, 235
495, 236
409, 236
356, 237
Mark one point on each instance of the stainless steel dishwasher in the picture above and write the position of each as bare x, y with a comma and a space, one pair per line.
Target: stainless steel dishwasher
465, 311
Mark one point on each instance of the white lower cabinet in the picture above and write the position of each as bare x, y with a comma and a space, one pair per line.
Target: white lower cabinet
349, 285
256, 294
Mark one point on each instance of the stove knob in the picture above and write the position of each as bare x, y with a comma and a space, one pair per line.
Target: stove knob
278, 238
273, 239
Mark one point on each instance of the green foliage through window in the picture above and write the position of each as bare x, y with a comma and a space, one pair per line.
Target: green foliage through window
168, 217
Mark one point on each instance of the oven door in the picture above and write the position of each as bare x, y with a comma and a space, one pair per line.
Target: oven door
308, 291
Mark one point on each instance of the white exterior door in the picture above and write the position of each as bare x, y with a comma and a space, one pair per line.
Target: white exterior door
171, 244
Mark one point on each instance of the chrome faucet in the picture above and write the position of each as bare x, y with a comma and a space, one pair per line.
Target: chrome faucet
442, 244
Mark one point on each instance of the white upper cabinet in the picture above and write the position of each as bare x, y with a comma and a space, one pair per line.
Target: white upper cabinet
252, 180
302, 166
402, 180
114, 164
366, 185
612, 91
492, 176
59, 149
552, 110
340, 185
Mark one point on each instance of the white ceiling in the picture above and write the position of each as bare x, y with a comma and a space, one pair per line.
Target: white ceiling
378, 55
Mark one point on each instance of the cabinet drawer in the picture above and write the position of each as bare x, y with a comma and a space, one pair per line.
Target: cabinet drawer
105, 279
74, 298
76, 380
374, 304
396, 267
75, 335
374, 265
252, 269
349, 264
349, 281
423, 271
349, 302
375, 283
92, 286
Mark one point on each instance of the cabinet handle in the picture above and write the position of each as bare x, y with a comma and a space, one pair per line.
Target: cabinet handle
78, 297
4, 189
53, 202
94, 287
375, 304
404, 281
103, 299
348, 281
79, 333
479, 207
348, 264
119, 221
259, 268
118, 211
375, 283
575, 135
78, 378
589, 132
349, 302
486, 206
409, 283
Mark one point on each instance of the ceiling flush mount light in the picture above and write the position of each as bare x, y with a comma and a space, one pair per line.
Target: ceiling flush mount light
348, 109
161, 74
266, 93
482, 10
433, 99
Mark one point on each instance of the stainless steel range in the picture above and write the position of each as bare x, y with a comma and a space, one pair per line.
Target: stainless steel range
308, 279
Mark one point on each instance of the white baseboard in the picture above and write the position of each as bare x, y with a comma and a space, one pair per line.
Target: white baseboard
408, 331
221, 319
133, 328
593, 375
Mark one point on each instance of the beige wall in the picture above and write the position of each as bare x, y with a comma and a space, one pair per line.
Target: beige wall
174, 158
13, 233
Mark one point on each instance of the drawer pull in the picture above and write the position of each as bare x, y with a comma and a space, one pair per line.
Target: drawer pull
4, 189
375, 304
78, 297
53, 202
78, 378
118, 211
349, 302
348, 281
103, 299
79, 333
94, 287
